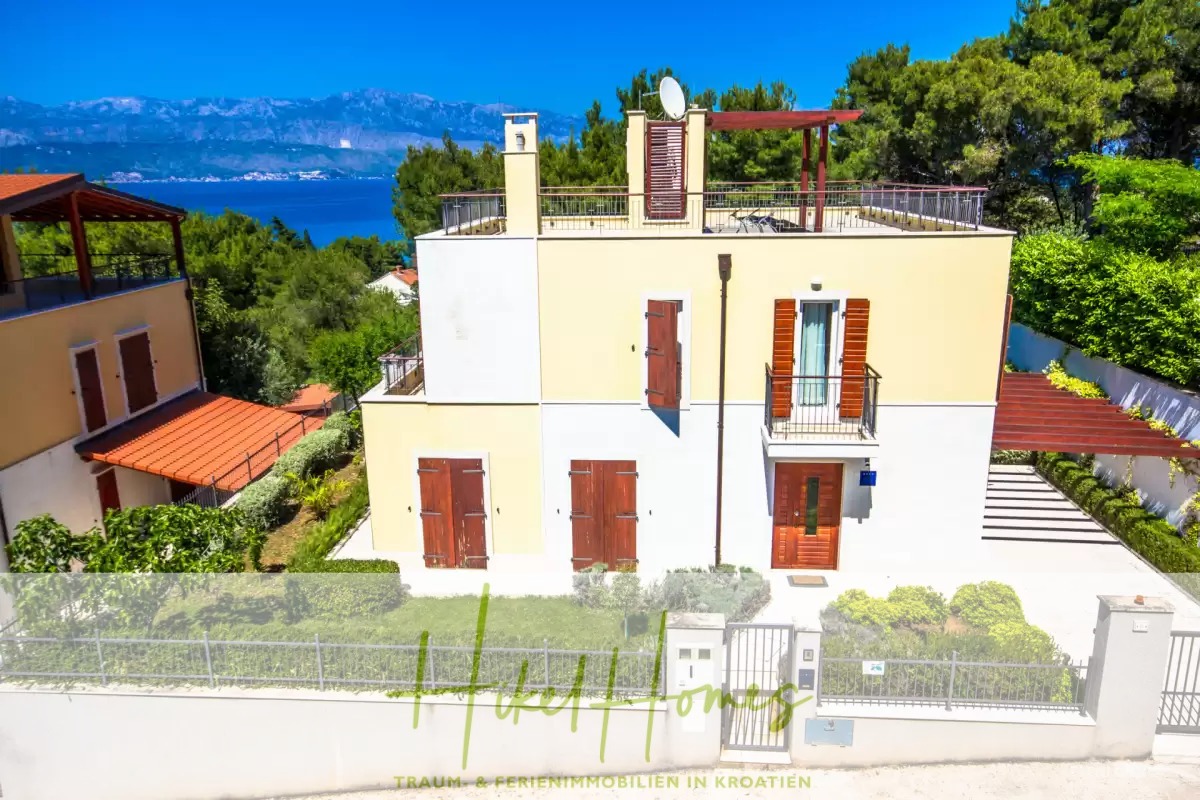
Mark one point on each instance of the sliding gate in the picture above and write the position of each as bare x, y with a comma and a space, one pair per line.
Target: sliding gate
758, 661
1179, 711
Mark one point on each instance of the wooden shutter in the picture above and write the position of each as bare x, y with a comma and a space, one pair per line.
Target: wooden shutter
436, 511
469, 513
783, 353
137, 368
106, 487
91, 394
586, 540
666, 187
1004, 343
663, 370
854, 358
620, 514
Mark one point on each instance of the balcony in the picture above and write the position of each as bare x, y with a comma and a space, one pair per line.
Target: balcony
754, 209
403, 368
802, 410
53, 281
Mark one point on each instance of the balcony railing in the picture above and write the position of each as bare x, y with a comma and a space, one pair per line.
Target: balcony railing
474, 213
52, 280
403, 368
836, 406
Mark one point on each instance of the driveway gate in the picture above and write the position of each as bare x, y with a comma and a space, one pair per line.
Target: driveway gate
758, 661
1179, 711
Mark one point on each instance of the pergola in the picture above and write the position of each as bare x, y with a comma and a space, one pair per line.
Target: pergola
805, 121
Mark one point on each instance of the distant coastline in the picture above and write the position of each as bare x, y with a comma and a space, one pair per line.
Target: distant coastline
251, 177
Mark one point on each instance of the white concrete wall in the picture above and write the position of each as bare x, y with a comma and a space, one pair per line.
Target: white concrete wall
141, 488
57, 482
1032, 351
479, 319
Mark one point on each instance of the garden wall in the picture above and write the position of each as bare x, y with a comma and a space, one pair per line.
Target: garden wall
1031, 351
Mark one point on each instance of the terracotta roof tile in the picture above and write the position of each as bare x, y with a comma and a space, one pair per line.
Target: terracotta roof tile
310, 398
16, 185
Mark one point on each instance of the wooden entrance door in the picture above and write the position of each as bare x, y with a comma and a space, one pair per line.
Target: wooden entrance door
604, 514
452, 512
808, 516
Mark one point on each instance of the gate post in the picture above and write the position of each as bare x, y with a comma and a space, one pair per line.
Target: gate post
694, 654
1125, 674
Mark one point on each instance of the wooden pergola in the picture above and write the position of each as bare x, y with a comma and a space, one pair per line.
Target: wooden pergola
807, 121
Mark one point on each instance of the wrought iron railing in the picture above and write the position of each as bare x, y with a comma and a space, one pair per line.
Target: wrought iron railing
832, 405
1179, 711
52, 279
473, 213
403, 367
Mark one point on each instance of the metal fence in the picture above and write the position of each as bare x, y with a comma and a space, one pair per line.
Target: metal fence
951, 684
832, 405
52, 280
1179, 711
104, 661
403, 367
473, 212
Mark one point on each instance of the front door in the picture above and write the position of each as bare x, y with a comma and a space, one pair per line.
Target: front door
452, 512
808, 516
604, 514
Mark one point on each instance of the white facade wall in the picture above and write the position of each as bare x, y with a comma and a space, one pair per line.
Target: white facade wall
479, 319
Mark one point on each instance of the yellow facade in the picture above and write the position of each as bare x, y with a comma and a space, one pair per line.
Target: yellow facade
507, 436
37, 391
937, 309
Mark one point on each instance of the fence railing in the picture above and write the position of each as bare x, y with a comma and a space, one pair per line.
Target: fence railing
839, 405
951, 684
403, 367
475, 213
1179, 711
52, 280
315, 663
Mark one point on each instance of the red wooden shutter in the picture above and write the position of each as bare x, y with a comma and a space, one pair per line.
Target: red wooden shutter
137, 368
587, 544
91, 394
436, 511
106, 487
666, 187
783, 352
620, 514
469, 513
854, 358
663, 370
1004, 343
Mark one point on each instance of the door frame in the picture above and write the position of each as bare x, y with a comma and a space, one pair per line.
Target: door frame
773, 474
482, 456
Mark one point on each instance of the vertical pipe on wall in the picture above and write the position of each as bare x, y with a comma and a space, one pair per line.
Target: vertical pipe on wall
724, 270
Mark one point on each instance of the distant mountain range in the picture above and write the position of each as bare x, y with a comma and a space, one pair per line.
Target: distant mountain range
353, 134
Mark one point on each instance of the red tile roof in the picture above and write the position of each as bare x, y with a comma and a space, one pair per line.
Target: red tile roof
409, 276
46, 198
200, 437
1033, 414
310, 398
16, 185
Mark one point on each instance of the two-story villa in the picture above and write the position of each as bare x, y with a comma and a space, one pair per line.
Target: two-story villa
101, 380
786, 375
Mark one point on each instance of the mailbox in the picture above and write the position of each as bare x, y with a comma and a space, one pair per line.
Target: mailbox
807, 679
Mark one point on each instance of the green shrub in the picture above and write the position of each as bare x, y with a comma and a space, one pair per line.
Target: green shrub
861, 608
1012, 456
1062, 379
918, 605
589, 586
263, 501
1020, 641
318, 451
42, 544
984, 605
1151, 537
333, 593
737, 592
341, 421
323, 537
350, 565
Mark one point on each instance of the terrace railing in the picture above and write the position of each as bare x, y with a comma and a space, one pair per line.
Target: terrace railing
52, 280
403, 367
816, 405
473, 213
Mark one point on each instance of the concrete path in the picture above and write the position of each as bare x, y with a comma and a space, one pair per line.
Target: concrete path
1096, 780
1022, 506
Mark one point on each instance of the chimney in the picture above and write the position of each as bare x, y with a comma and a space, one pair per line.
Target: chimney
521, 175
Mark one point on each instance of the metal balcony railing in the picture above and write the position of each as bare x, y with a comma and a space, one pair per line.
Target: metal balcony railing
403, 368
474, 213
842, 406
52, 280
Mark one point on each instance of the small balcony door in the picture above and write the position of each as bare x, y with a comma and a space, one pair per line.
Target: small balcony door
817, 355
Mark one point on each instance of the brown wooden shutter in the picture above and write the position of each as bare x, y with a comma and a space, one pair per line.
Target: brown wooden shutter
666, 186
854, 358
620, 514
587, 544
663, 370
1004, 343
106, 487
91, 394
137, 368
783, 353
436, 511
466, 489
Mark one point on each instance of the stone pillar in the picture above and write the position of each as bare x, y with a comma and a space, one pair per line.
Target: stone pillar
635, 165
694, 652
696, 169
1125, 674
522, 180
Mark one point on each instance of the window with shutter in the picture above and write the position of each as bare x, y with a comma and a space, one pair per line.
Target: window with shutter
854, 358
137, 370
106, 487
91, 395
453, 514
604, 514
666, 186
664, 370
783, 351
587, 546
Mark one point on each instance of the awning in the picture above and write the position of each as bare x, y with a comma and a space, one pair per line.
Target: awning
46, 198
202, 438
1033, 414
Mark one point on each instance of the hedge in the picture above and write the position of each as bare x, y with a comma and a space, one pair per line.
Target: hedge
313, 454
1151, 537
336, 595
263, 501
349, 565
341, 421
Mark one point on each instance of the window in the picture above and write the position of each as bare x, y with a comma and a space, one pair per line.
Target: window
453, 512
812, 490
604, 514
666, 188
664, 354
137, 371
816, 336
89, 389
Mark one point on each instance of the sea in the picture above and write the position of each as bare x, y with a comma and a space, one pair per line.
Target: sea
327, 209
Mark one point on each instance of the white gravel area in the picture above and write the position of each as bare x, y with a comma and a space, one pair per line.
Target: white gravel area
1096, 780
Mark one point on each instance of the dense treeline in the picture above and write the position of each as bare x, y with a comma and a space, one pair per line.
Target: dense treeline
274, 312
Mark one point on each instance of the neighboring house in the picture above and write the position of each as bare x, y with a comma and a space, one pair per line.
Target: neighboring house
564, 407
102, 384
400, 282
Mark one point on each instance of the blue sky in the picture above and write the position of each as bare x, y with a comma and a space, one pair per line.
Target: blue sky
558, 56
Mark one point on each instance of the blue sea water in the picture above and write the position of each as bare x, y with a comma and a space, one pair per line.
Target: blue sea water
327, 209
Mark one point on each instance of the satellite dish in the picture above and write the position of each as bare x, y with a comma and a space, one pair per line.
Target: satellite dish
670, 93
